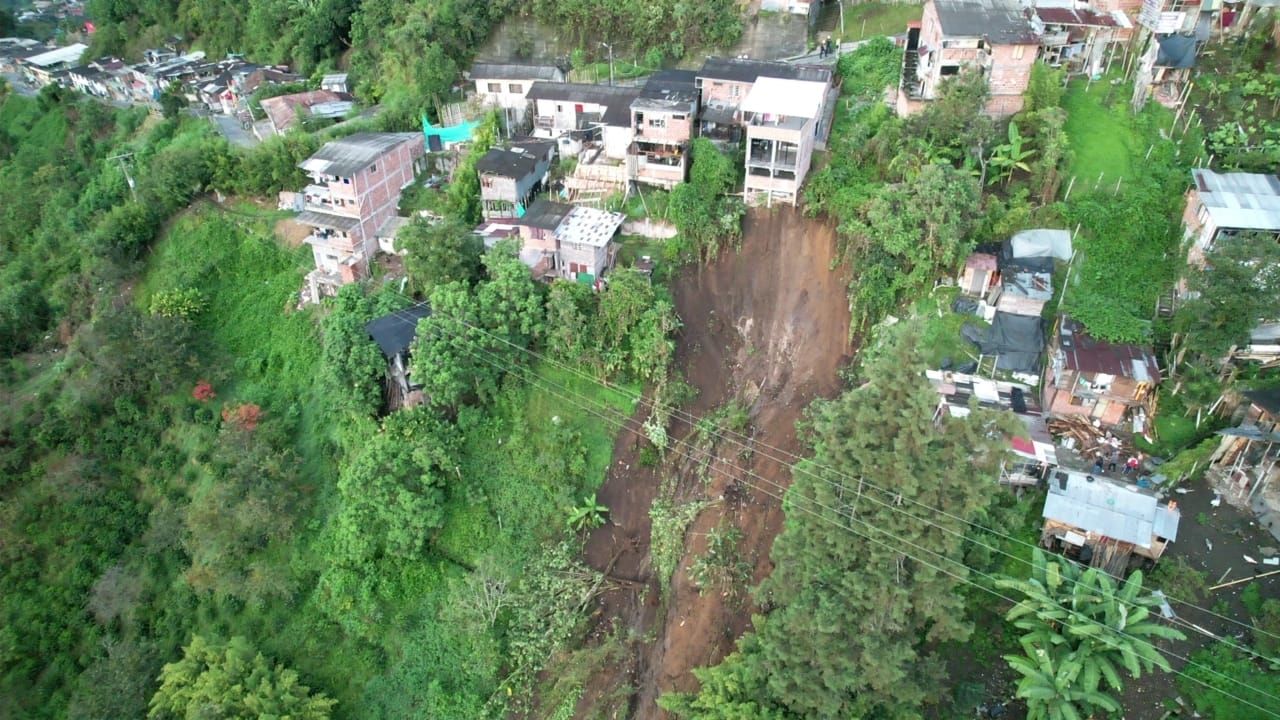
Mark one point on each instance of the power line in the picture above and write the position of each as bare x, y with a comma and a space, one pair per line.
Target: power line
793, 461
529, 376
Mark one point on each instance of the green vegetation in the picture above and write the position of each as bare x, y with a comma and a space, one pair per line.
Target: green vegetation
870, 20
1101, 131
660, 29
1081, 628
846, 633
702, 210
1236, 285
1237, 97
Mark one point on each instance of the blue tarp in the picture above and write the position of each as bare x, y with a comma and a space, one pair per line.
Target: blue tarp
454, 134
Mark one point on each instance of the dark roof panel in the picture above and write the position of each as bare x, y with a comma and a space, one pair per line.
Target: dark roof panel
516, 162
394, 333
545, 215
583, 93
674, 86
1001, 22
718, 68
514, 71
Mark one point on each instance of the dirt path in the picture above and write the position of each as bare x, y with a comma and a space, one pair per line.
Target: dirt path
766, 327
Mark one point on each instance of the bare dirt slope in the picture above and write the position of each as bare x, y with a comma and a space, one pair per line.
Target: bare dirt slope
767, 327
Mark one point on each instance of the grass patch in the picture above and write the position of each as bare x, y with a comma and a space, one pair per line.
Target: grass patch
598, 72
866, 20
940, 337
1100, 130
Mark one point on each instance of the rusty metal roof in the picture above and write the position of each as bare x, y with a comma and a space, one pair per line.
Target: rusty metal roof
1084, 353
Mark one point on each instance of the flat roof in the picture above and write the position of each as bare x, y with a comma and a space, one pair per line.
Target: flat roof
515, 162
1001, 22
740, 70
793, 98
328, 220
668, 89
1242, 201
354, 153
70, 53
514, 71
544, 214
590, 226
1105, 507
583, 93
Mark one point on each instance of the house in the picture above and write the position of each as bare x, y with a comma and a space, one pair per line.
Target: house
1097, 379
335, 83
40, 69
1033, 455
12, 50
723, 83
981, 273
596, 112
285, 112
506, 85
1101, 522
356, 185
509, 176
1222, 205
662, 125
993, 37
394, 335
782, 118
1076, 39
570, 242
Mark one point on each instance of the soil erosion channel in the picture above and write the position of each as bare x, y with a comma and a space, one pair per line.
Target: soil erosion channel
766, 328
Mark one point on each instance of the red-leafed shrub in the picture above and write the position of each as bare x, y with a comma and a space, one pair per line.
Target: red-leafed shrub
243, 415
204, 391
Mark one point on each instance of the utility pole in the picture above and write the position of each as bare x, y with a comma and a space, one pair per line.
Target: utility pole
610, 47
127, 177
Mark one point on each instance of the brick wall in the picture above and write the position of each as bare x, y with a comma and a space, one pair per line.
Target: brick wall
675, 130
724, 92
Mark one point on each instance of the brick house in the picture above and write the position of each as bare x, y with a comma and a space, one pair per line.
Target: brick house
723, 84
285, 112
1095, 378
509, 176
356, 185
662, 125
567, 241
507, 85
994, 37
564, 109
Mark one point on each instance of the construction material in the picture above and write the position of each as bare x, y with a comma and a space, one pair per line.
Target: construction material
1247, 579
1089, 439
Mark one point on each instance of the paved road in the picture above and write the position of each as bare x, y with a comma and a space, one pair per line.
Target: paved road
235, 133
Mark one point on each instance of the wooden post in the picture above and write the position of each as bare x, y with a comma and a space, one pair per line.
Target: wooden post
1069, 186
1247, 579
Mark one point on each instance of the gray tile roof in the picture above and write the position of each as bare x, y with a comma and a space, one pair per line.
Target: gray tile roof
515, 71
1001, 22
583, 93
515, 162
668, 88
354, 153
718, 68
545, 215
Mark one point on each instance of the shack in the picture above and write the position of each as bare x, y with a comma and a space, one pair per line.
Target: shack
394, 335
1102, 522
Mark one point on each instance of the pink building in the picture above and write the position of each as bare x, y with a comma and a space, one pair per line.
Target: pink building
355, 190
994, 37
724, 83
662, 124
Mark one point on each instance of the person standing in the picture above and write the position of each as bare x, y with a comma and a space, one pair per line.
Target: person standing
1131, 467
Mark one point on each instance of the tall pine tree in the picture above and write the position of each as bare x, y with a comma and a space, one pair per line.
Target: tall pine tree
853, 611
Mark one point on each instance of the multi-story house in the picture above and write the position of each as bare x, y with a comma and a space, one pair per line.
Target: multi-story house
782, 119
994, 37
723, 84
562, 109
662, 124
47, 67
567, 241
356, 185
506, 85
509, 176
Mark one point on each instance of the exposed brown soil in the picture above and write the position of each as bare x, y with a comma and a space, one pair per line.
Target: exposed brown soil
767, 327
291, 232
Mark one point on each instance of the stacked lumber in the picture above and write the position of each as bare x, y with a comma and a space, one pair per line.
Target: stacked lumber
1089, 439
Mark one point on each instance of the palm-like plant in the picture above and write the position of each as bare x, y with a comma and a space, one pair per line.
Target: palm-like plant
589, 515
1012, 155
1080, 629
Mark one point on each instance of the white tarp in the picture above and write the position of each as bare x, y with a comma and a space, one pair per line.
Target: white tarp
1043, 242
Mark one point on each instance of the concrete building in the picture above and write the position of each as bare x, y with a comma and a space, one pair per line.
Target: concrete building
507, 85
597, 112
663, 121
356, 185
568, 242
509, 176
41, 69
994, 37
724, 83
782, 118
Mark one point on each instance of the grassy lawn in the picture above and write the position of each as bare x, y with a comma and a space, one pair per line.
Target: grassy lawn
865, 20
941, 328
1102, 136
598, 72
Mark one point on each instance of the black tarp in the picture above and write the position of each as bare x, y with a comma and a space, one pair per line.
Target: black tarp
1016, 341
1007, 262
1176, 51
964, 305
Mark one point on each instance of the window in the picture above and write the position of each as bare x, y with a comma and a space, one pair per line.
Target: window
346, 181
559, 108
949, 70
515, 88
373, 167
495, 87
657, 122
1018, 51
734, 90
681, 116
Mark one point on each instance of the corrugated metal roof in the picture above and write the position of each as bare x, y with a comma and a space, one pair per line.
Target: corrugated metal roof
1084, 353
737, 70
999, 21
394, 333
1244, 201
1077, 16
328, 220
354, 153
62, 55
514, 71
1109, 508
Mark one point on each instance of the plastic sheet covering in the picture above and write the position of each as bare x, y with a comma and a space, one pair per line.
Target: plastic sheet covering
964, 305
1016, 341
1042, 242
1176, 51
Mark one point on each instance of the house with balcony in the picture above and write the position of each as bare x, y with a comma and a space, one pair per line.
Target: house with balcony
569, 242
510, 176
506, 85
1097, 379
355, 189
46, 67
993, 37
782, 123
598, 113
663, 121
723, 84
1077, 39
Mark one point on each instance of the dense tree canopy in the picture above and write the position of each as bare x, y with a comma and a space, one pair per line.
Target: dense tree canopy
866, 580
702, 208
1237, 287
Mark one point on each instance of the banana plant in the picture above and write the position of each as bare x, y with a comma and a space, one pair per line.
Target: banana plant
587, 516
1011, 156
